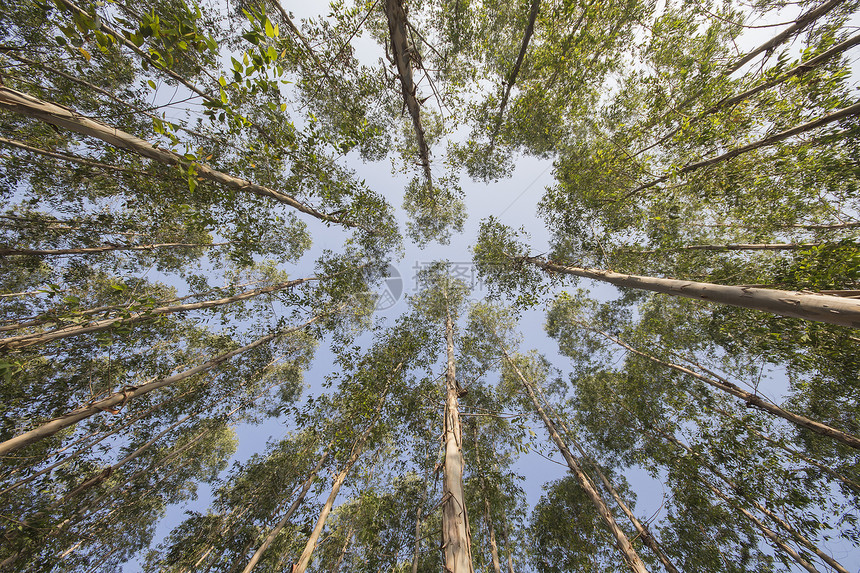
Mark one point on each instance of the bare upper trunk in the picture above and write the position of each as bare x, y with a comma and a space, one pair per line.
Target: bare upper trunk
286, 518
456, 541
820, 308
748, 397
404, 53
59, 116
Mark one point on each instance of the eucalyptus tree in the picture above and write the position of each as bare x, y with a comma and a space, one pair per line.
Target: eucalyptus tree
440, 301
730, 446
678, 176
247, 502
566, 532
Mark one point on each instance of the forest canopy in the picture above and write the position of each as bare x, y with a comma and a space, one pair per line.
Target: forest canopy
191, 253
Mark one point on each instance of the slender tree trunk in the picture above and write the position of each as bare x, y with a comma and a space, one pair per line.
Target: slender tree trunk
512, 77
802, 22
715, 471
156, 64
342, 555
59, 116
815, 307
403, 55
508, 548
767, 532
625, 547
456, 541
787, 527
357, 449
808, 227
89, 446
736, 247
801, 68
753, 247
107, 248
641, 529
94, 88
57, 529
67, 157
790, 451
24, 340
417, 551
305, 557
287, 516
50, 315
766, 142
118, 399
494, 549
107, 472
748, 397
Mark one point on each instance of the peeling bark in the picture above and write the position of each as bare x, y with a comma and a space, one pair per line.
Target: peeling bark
403, 58
456, 540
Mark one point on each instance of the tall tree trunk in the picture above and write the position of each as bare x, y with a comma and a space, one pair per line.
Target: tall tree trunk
641, 529
734, 247
790, 451
784, 525
802, 22
731, 483
767, 532
67, 157
286, 518
623, 543
815, 307
802, 68
748, 397
107, 472
156, 64
357, 449
24, 340
89, 446
494, 549
403, 55
48, 316
508, 547
456, 541
417, 551
59, 116
118, 399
